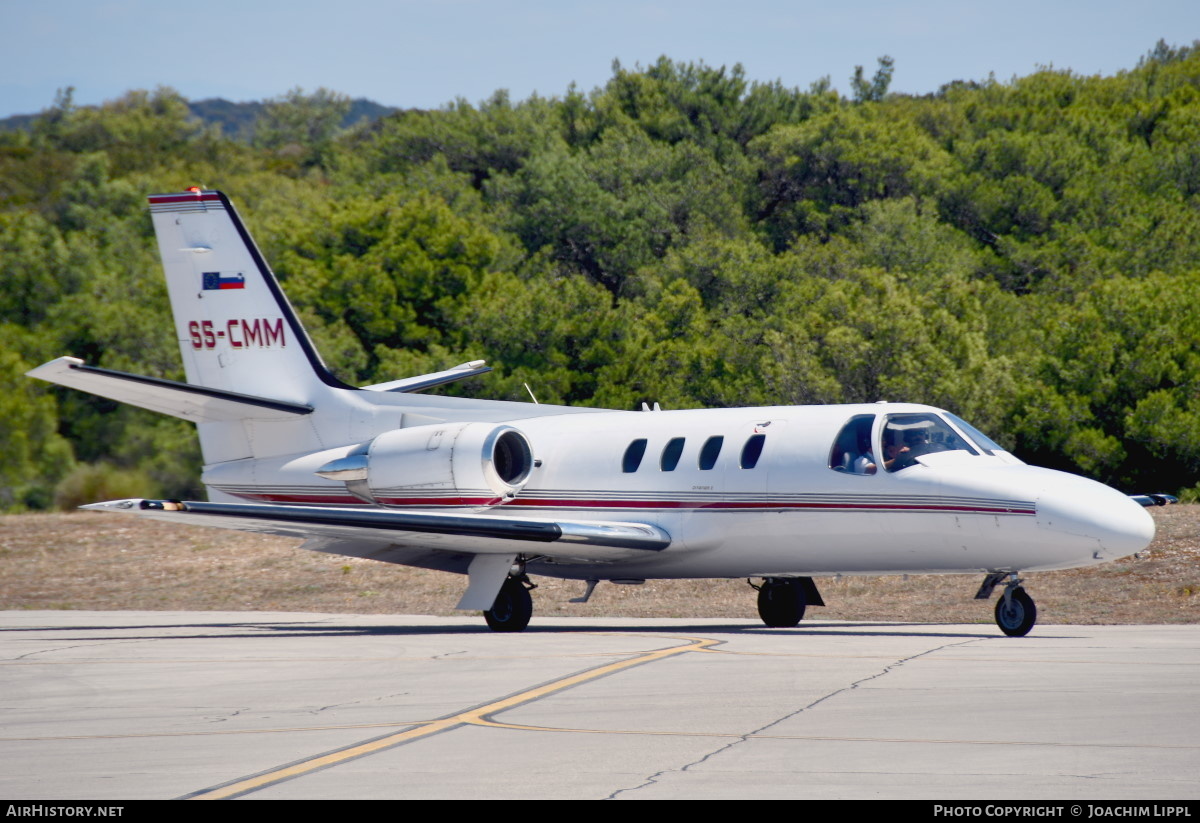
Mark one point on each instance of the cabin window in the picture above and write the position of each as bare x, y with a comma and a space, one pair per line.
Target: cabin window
633, 456
852, 449
671, 454
710, 452
906, 437
752, 451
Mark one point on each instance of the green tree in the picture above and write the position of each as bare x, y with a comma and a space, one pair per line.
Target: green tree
35, 455
813, 176
877, 88
298, 127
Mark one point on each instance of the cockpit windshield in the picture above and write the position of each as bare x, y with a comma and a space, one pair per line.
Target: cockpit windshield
981, 440
909, 436
903, 438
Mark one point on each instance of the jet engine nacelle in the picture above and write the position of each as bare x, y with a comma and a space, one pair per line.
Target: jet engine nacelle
452, 463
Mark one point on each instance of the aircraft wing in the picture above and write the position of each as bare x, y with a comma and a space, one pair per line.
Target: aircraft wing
471, 534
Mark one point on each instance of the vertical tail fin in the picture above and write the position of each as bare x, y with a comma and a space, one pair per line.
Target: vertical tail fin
236, 329
256, 387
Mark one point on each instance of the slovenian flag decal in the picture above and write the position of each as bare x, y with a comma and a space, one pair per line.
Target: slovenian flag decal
215, 281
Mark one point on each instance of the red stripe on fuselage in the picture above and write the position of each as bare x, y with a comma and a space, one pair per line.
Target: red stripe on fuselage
648, 505
307, 499
688, 504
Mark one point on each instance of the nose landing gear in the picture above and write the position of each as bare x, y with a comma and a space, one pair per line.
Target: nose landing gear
781, 602
1015, 610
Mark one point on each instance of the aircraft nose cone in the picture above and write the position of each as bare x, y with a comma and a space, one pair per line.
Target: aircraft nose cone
1088, 509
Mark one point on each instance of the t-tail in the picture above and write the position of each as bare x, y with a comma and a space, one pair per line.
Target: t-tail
255, 382
237, 331
256, 386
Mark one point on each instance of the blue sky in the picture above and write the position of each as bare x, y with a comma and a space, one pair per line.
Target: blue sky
427, 53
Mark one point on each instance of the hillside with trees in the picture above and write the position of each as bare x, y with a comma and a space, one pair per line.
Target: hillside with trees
1023, 253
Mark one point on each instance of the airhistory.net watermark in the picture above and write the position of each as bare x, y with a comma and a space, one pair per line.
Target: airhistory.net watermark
50, 810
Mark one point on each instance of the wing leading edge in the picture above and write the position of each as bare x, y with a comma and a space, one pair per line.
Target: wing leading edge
463, 533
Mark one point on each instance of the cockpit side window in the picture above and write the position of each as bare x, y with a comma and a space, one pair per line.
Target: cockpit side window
909, 436
852, 448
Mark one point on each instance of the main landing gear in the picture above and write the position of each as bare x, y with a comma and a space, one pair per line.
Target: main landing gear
783, 600
1015, 610
513, 607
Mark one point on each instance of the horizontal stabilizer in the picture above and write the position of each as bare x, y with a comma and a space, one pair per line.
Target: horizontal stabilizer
428, 381
199, 404
1149, 500
470, 533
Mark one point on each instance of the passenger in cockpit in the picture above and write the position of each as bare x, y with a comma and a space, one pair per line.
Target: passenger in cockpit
865, 462
852, 448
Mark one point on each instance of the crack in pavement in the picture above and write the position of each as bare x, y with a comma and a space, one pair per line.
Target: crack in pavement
652, 779
229, 715
84, 644
372, 699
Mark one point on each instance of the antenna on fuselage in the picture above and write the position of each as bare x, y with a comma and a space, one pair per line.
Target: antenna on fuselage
648, 408
531, 393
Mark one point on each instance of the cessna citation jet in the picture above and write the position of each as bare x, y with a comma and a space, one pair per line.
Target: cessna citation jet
500, 491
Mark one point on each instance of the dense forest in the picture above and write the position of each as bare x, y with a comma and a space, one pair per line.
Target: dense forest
236, 119
1024, 253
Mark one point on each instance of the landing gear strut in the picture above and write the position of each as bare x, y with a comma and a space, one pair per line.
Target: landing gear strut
513, 606
1015, 610
781, 602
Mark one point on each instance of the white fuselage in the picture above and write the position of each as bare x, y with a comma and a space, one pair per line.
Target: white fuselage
790, 514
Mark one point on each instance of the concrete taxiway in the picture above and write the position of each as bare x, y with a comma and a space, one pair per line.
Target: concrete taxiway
129, 705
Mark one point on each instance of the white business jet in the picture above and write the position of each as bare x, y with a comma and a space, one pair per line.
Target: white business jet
502, 490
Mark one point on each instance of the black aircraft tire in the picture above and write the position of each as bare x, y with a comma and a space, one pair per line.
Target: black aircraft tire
1017, 617
511, 610
781, 603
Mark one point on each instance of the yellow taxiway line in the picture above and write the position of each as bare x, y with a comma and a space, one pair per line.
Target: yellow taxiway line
476, 716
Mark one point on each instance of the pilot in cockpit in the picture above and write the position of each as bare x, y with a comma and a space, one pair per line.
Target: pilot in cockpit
904, 447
